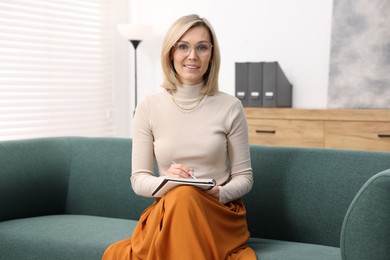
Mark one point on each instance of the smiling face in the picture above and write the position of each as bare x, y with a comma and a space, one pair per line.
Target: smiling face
191, 68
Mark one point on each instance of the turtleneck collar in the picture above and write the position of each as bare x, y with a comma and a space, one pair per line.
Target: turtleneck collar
186, 92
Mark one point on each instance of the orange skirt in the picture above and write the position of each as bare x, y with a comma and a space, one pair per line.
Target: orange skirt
187, 223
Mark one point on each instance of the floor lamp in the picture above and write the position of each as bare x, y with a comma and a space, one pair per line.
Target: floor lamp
134, 33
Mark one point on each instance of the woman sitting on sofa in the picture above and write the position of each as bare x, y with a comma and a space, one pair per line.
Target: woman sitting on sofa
204, 131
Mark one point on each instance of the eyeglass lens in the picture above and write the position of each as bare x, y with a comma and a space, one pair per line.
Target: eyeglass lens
201, 49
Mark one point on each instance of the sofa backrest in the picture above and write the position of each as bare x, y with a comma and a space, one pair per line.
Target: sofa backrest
68, 175
34, 177
99, 181
303, 194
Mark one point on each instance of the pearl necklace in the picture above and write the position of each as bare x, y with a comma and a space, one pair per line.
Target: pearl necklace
185, 109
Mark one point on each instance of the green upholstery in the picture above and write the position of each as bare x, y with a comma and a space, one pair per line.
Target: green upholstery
34, 177
366, 233
70, 197
99, 182
303, 194
268, 249
61, 237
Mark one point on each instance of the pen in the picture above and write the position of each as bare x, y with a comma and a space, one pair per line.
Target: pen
191, 172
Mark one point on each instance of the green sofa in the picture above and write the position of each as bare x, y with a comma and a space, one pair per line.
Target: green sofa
70, 197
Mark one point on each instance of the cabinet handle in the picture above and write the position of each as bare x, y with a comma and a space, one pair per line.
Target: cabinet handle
384, 135
265, 131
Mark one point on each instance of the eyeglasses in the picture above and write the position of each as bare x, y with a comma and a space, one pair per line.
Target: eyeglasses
201, 49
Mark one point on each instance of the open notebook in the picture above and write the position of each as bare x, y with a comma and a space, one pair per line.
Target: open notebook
169, 183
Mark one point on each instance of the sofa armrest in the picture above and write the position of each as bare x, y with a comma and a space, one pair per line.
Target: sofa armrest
366, 228
34, 177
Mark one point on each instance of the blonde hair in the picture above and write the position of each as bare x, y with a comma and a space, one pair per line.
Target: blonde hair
175, 32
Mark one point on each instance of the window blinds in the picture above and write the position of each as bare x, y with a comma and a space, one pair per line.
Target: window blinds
55, 68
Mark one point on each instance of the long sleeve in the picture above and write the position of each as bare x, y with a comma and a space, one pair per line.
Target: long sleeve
238, 150
143, 179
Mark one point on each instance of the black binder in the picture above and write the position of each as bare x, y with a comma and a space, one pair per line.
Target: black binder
262, 84
242, 82
254, 84
269, 84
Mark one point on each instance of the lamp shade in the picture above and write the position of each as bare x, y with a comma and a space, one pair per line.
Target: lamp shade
134, 31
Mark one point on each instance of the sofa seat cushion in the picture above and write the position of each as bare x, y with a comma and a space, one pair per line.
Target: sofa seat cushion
268, 249
61, 236
51, 237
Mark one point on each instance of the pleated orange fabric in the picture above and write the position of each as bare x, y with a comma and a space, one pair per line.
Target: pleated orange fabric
187, 223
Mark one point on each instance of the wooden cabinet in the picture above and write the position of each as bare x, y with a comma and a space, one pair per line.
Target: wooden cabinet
286, 132
359, 129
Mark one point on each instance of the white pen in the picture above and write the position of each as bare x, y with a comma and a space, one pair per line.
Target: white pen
191, 172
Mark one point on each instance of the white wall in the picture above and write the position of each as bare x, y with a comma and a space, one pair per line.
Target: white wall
296, 33
120, 70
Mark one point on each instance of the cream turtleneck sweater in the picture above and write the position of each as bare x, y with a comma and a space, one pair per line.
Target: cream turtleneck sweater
204, 139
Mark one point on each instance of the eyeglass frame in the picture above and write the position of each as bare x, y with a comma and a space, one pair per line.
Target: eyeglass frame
191, 48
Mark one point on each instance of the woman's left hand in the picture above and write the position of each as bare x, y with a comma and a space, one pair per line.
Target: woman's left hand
214, 192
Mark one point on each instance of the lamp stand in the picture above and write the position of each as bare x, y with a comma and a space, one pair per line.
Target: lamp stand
135, 45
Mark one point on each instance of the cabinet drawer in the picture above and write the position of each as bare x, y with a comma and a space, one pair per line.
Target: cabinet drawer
358, 135
286, 132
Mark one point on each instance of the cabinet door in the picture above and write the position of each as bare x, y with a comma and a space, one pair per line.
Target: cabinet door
286, 132
358, 135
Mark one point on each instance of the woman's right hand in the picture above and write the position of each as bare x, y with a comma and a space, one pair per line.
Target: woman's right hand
179, 171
